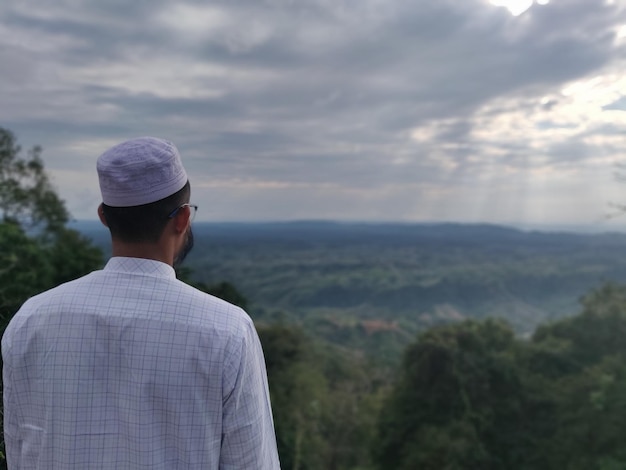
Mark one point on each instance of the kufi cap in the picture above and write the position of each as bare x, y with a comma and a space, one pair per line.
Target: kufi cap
140, 171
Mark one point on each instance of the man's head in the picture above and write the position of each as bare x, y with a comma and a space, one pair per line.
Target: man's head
144, 188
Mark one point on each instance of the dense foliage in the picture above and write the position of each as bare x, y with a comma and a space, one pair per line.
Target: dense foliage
471, 395
37, 249
324, 399
27, 197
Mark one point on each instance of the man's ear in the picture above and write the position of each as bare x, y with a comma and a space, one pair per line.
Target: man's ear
181, 219
101, 216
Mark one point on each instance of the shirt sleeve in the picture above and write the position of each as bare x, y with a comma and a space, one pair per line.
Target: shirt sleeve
11, 432
248, 438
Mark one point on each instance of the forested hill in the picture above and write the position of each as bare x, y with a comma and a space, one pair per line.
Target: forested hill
345, 280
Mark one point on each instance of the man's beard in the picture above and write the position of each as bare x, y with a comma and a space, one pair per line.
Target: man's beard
184, 251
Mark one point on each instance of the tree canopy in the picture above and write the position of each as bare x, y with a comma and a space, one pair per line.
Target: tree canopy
471, 395
37, 249
26, 195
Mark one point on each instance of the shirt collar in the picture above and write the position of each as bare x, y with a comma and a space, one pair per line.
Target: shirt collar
143, 266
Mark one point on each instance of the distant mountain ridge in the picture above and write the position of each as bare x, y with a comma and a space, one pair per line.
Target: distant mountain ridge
299, 227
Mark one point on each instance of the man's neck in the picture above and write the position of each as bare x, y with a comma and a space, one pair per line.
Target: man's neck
142, 250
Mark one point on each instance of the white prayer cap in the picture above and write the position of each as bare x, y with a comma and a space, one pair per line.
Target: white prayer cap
140, 171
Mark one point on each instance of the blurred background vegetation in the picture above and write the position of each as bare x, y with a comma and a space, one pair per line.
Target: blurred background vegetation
448, 347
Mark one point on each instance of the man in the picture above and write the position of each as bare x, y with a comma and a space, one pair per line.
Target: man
127, 367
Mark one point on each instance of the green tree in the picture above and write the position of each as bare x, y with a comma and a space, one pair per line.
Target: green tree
25, 269
325, 401
459, 402
599, 330
71, 255
38, 250
578, 365
298, 393
26, 194
471, 395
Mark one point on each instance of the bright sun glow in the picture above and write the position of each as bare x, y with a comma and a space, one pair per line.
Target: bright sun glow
517, 7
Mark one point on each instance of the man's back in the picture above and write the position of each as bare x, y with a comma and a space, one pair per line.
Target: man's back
130, 368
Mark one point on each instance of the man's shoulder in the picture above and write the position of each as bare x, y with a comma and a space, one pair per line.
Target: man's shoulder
60, 291
224, 313
35, 303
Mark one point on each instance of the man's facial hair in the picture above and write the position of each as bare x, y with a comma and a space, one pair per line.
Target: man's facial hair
182, 254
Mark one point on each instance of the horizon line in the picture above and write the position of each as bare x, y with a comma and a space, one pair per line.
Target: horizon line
576, 227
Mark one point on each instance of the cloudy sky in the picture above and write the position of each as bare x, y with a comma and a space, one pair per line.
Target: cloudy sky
371, 110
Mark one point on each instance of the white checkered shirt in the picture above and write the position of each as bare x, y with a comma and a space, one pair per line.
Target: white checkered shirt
129, 368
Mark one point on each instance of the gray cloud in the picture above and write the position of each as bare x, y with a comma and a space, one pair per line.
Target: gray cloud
322, 99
